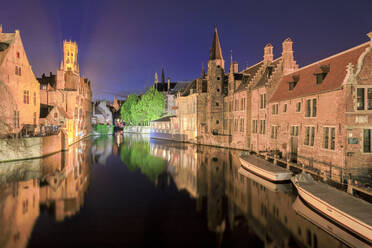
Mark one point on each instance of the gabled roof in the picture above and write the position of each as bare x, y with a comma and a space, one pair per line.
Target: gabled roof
247, 75
306, 80
45, 110
164, 119
251, 71
267, 73
244, 84
174, 86
6, 40
186, 90
64, 113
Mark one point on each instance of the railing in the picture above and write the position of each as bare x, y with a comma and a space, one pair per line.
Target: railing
354, 184
30, 131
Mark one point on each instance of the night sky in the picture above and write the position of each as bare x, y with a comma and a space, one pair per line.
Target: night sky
122, 43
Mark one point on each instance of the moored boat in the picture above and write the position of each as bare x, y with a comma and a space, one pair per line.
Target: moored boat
264, 168
330, 227
348, 211
274, 187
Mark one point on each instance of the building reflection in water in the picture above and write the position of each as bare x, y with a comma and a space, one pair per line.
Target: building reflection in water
56, 183
233, 200
102, 148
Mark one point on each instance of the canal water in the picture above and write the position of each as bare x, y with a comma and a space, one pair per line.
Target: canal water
130, 191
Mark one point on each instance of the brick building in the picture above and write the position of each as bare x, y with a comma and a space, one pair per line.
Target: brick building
271, 71
71, 93
321, 114
19, 89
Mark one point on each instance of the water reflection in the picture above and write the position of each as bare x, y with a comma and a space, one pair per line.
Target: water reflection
141, 193
135, 153
27, 188
234, 200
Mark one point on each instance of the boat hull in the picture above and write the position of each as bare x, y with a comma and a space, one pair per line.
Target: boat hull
327, 225
268, 175
274, 187
352, 224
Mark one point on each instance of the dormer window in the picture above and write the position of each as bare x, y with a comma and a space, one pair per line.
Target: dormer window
293, 83
321, 76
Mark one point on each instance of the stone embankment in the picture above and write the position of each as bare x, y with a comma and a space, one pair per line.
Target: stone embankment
137, 129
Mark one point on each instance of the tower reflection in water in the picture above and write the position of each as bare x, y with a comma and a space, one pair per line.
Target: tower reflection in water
56, 184
235, 200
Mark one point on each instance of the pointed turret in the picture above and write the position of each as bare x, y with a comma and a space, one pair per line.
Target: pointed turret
156, 80
231, 62
162, 76
215, 51
202, 71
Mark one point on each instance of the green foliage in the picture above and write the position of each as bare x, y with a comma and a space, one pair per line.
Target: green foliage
141, 112
103, 128
136, 156
127, 109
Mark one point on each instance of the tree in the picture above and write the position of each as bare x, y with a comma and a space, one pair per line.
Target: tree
127, 109
151, 106
141, 112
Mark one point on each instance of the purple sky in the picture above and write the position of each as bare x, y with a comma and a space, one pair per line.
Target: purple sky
122, 43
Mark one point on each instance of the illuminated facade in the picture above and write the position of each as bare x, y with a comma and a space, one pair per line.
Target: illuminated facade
69, 92
19, 89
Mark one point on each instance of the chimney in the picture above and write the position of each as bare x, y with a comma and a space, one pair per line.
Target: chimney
369, 35
289, 64
1, 28
236, 67
268, 53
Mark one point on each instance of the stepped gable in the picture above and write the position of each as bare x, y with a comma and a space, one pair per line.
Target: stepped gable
247, 76
306, 80
64, 113
174, 86
269, 71
186, 90
252, 70
6, 40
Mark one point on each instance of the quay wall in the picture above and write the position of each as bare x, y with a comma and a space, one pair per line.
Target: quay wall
32, 147
137, 129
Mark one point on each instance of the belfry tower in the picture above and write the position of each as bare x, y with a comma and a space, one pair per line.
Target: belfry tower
70, 51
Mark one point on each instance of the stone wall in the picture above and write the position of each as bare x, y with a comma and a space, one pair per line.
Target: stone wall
34, 147
137, 129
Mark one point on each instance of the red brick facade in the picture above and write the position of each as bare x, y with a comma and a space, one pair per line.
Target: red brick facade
321, 114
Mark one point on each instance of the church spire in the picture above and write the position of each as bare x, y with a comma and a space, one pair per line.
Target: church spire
215, 51
202, 70
231, 63
162, 75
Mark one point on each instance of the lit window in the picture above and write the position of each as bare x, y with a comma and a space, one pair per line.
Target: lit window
274, 131
294, 130
329, 137
263, 101
364, 98
254, 126
309, 136
298, 107
367, 140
